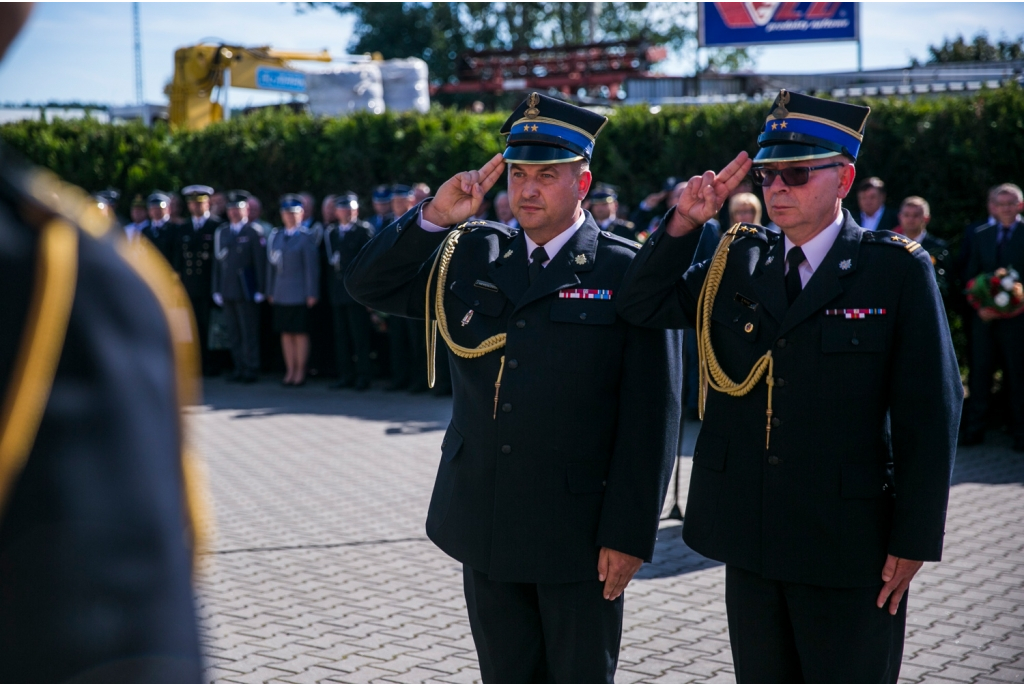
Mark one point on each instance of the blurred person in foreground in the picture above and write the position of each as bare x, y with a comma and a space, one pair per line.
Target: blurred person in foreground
999, 245
553, 470
293, 286
239, 282
342, 242
822, 469
96, 531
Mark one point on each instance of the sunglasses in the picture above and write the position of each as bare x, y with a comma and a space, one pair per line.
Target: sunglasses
791, 176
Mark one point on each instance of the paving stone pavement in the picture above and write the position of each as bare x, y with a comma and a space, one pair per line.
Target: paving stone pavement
321, 570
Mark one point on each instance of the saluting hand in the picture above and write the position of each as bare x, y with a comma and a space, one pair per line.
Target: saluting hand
462, 195
616, 569
897, 574
704, 195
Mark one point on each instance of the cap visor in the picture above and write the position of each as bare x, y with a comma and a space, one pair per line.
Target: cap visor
792, 152
539, 154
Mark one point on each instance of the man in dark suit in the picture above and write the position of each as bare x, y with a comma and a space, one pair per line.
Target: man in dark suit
95, 565
556, 462
874, 215
997, 245
914, 215
239, 282
342, 242
160, 230
604, 206
821, 472
192, 258
382, 215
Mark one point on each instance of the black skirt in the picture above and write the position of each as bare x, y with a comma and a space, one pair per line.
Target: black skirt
290, 318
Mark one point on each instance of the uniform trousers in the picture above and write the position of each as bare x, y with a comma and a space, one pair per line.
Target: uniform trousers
352, 337
242, 324
543, 632
400, 332
1003, 339
795, 633
201, 307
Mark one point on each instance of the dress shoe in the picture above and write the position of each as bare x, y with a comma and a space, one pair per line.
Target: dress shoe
249, 379
362, 384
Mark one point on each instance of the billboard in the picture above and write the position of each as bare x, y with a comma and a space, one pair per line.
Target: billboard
736, 24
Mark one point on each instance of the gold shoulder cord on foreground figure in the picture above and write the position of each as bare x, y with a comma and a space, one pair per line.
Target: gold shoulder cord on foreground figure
495, 342
709, 370
52, 300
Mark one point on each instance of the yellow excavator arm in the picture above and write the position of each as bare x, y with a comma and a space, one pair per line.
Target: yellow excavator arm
198, 69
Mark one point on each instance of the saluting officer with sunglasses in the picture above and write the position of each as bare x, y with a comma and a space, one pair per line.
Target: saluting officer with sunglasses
821, 473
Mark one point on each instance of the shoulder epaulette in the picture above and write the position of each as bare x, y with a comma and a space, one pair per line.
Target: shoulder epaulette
619, 239
483, 224
753, 230
890, 238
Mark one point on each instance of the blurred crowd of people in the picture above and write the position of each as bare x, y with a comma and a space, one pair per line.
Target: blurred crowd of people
250, 281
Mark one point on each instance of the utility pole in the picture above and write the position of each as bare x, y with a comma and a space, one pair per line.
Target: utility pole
593, 11
138, 54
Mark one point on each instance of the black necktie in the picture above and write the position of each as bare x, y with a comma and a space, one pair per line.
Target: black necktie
793, 286
1001, 240
539, 256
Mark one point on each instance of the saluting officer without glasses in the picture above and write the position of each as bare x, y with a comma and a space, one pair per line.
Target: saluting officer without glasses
342, 242
239, 280
821, 472
192, 258
555, 465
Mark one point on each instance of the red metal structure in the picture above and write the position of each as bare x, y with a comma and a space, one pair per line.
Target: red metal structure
566, 68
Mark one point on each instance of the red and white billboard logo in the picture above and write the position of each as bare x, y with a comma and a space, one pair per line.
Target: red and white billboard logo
748, 15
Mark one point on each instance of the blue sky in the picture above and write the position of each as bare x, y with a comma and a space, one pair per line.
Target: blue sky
83, 51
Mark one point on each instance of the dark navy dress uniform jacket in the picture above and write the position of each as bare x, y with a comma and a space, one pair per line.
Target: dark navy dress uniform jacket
581, 451
865, 410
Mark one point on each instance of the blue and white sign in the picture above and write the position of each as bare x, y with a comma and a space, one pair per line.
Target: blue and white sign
736, 24
269, 78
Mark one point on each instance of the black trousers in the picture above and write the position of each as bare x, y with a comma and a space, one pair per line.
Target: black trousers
242, 323
352, 338
543, 633
795, 633
1005, 339
201, 307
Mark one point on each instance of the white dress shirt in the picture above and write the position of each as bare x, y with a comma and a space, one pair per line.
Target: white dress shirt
869, 222
199, 221
235, 228
815, 249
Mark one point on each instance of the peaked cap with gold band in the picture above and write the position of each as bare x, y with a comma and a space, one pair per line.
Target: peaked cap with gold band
544, 130
801, 127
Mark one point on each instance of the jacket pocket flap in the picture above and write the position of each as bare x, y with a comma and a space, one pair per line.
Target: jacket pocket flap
587, 476
487, 302
742, 321
710, 450
852, 335
583, 311
862, 481
451, 444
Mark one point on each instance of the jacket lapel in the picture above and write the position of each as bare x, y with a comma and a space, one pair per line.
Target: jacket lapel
824, 285
575, 256
769, 281
509, 270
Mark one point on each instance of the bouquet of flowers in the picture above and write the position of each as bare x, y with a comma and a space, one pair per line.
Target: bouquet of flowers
997, 295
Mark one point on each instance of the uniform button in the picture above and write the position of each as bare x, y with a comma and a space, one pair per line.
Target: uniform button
779, 382
776, 423
513, 364
781, 342
773, 460
521, 323
854, 341
506, 449
507, 407
188, 271
583, 316
604, 484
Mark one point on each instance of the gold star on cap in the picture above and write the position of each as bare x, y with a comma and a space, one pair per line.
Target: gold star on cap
782, 125
774, 126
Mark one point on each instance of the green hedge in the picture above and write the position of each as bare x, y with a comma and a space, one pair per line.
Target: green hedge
948, 150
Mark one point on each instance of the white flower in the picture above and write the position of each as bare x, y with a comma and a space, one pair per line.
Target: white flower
1007, 282
1001, 299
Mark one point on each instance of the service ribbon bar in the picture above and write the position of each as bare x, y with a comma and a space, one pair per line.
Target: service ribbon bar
584, 294
854, 313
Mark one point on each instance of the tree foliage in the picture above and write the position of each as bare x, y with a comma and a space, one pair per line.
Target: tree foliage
979, 49
438, 32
